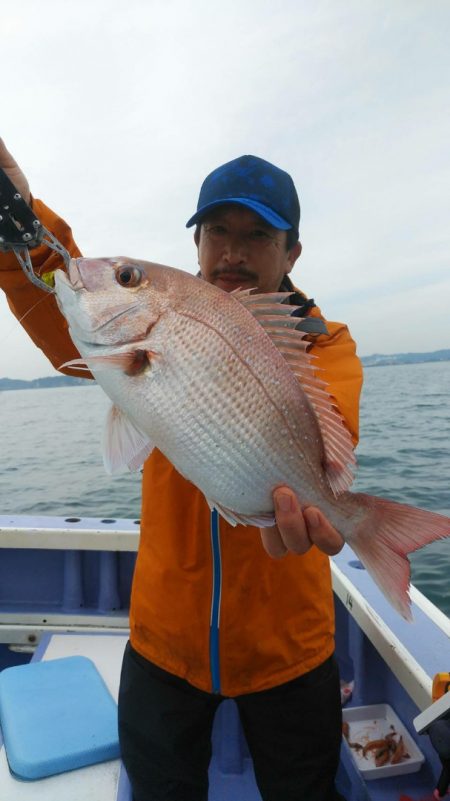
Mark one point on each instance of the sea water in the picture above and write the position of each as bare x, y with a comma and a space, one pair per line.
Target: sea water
50, 455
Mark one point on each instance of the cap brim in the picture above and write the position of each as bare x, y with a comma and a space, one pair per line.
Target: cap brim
263, 211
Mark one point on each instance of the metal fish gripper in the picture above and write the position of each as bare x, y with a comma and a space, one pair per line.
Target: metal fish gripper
21, 231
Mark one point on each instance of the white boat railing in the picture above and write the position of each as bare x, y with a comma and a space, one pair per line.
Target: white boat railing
405, 667
69, 533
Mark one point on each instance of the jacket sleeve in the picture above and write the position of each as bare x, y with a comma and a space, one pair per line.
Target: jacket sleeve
36, 310
336, 356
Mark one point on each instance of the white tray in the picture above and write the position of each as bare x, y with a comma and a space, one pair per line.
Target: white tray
373, 723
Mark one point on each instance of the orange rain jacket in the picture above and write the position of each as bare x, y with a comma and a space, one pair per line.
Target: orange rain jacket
208, 604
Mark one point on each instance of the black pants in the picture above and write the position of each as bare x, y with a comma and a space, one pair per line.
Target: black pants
293, 733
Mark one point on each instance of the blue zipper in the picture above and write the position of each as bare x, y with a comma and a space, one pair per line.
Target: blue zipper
214, 660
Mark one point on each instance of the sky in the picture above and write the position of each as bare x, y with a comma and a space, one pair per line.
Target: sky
116, 111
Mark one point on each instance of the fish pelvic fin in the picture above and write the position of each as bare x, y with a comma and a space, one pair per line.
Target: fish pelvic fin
236, 519
275, 317
125, 446
389, 532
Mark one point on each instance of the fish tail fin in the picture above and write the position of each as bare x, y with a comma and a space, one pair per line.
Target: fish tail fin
384, 538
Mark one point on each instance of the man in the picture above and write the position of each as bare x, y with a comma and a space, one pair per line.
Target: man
212, 614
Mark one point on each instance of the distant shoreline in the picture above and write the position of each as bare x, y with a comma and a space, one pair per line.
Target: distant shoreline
376, 360
50, 381
385, 360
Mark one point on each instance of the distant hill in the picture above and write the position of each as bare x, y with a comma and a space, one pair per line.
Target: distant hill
41, 383
377, 360
381, 360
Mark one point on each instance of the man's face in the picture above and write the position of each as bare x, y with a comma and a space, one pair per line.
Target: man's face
237, 248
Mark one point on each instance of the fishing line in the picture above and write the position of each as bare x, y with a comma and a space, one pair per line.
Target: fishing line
19, 320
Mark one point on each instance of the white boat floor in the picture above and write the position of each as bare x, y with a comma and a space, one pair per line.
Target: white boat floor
97, 782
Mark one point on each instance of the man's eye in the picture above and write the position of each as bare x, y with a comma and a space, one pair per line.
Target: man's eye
216, 230
259, 233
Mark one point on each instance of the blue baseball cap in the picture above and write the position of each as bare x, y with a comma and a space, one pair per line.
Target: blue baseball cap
255, 183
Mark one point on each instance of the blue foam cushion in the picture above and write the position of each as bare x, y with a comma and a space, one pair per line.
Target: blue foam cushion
55, 716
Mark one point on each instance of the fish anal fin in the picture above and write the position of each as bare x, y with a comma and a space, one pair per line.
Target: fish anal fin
125, 446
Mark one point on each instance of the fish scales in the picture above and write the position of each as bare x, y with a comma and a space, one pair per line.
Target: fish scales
191, 370
238, 442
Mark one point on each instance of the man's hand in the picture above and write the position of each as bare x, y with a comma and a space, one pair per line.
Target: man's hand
14, 173
298, 529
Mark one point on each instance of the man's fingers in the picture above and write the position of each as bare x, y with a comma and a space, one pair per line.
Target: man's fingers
272, 542
6, 159
13, 171
321, 532
298, 529
290, 521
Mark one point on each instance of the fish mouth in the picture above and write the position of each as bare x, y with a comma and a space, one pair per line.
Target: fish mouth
74, 275
71, 279
61, 277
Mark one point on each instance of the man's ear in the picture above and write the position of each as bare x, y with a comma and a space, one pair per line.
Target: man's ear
293, 254
197, 243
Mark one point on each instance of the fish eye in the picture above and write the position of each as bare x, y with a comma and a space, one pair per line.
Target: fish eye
128, 276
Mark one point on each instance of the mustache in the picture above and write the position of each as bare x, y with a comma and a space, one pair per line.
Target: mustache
242, 272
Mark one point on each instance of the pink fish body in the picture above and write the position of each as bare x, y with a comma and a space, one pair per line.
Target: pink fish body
223, 385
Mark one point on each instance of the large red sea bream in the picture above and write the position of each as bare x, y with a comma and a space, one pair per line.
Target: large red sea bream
223, 385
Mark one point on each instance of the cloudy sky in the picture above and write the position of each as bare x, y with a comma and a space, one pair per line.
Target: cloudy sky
117, 110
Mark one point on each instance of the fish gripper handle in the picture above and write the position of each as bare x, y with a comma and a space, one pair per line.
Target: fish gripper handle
21, 231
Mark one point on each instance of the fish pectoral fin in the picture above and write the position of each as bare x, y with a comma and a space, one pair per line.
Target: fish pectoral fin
130, 362
125, 446
77, 364
235, 519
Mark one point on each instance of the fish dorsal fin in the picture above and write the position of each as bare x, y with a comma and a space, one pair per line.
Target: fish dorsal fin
275, 318
253, 298
125, 446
